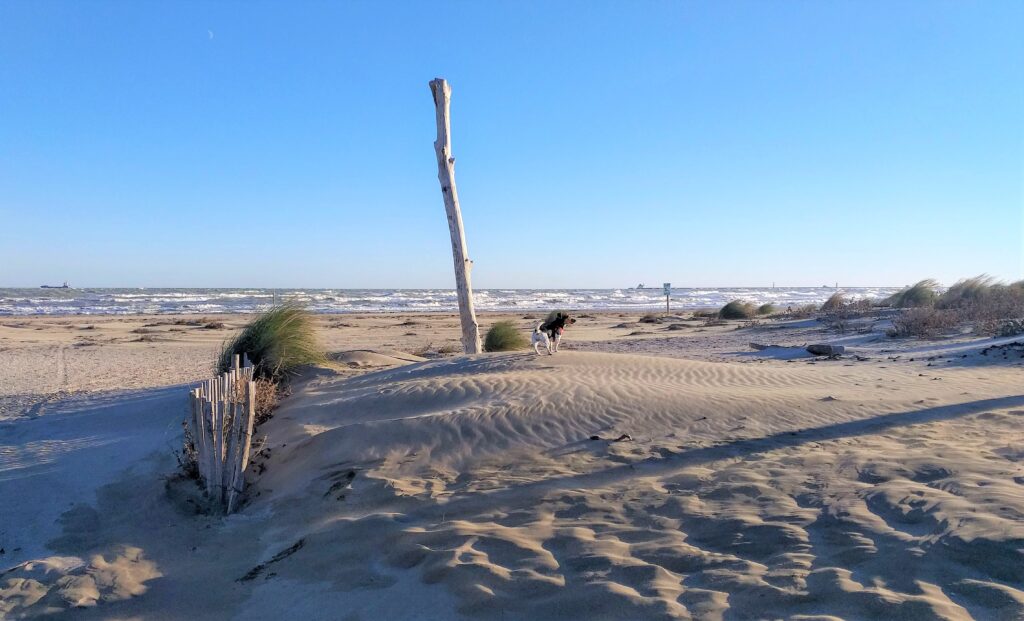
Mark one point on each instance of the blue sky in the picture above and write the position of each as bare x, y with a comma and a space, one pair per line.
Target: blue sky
598, 144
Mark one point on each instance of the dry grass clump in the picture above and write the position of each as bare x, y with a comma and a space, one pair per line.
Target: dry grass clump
766, 309
504, 336
423, 352
429, 351
278, 342
835, 301
923, 322
919, 294
839, 314
737, 309
802, 312
650, 318
267, 395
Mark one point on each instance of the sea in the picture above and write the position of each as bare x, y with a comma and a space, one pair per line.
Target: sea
336, 301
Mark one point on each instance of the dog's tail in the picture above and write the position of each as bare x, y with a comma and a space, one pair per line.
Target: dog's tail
539, 325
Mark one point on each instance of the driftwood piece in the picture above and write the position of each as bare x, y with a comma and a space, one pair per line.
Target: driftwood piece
824, 349
460, 254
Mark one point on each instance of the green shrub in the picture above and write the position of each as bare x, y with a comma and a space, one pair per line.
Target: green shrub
835, 302
504, 336
766, 309
921, 293
737, 309
277, 342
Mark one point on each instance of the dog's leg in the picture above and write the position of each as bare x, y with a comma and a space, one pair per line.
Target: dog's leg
558, 339
536, 347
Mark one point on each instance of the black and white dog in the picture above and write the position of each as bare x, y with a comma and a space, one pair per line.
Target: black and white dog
549, 333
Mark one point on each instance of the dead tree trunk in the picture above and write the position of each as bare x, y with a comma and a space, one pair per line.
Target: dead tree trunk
446, 175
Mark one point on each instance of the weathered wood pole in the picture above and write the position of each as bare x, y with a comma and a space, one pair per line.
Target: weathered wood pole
446, 175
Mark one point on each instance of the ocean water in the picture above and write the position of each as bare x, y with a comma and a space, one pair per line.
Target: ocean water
211, 301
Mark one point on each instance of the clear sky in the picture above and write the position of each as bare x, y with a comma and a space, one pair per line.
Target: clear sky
599, 144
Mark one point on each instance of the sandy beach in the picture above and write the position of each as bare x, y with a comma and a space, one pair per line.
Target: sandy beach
511, 311
648, 470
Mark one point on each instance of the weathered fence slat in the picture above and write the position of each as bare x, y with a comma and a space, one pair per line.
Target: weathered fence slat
221, 415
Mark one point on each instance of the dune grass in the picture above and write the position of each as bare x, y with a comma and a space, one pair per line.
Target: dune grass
990, 306
966, 292
504, 336
835, 302
921, 293
737, 309
278, 342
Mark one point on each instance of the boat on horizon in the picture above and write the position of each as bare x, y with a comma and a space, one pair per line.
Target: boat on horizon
64, 286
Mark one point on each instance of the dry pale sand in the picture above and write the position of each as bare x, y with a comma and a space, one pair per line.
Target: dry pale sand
888, 484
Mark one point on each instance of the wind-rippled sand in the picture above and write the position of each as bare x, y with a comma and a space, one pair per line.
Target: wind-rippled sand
472, 488
744, 492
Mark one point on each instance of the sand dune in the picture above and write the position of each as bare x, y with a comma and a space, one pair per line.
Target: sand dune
478, 475
472, 488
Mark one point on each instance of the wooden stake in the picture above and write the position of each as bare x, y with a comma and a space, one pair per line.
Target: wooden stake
242, 461
446, 175
209, 407
218, 441
231, 429
195, 405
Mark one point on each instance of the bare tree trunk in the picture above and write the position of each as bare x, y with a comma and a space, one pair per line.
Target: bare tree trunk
446, 175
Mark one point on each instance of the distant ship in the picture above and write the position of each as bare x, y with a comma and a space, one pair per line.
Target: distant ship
64, 286
640, 286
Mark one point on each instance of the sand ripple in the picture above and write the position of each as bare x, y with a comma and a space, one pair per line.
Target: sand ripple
743, 493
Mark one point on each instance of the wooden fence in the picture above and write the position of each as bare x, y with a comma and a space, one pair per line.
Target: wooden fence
221, 412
